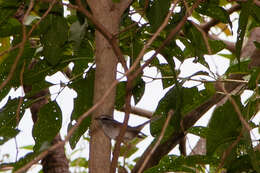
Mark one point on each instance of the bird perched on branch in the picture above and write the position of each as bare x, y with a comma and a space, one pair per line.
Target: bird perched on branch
112, 128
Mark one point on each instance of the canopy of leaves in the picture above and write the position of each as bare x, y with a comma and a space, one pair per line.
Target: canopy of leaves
47, 41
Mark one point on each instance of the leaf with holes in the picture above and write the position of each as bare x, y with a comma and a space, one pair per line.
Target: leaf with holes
47, 126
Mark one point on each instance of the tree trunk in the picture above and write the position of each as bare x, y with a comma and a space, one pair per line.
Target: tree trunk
108, 14
106, 63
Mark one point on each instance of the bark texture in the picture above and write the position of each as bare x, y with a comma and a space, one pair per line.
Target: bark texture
108, 14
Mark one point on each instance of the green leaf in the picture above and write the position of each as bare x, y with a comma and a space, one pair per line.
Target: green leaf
53, 41
196, 44
128, 150
116, 1
239, 68
7, 133
8, 9
48, 124
214, 11
7, 63
24, 160
255, 12
157, 12
174, 163
252, 84
27, 147
9, 119
224, 128
80, 161
242, 24
216, 46
83, 102
257, 44
120, 95
138, 90
77, 33
251, 152
199, 131
166, 72
182, 101
11, 27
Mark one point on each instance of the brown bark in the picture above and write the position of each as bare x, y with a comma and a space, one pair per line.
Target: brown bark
108, 14
56, 161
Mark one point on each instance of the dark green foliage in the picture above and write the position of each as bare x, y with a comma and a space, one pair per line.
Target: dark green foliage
157, 12
8, 9
182, 101
213, 10
120, 95
242, 24
9, 119
53, 41
83, 102
24, 160
224, 128
48, 125
175, 163
6, 65
12, 26
62, 40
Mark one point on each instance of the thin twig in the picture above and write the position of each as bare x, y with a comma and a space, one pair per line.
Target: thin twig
116, 153
228, 150
129, 88
17, 149
167, 40
155, 35
21, 97
170, 113
71, 131
13, 68
110, 38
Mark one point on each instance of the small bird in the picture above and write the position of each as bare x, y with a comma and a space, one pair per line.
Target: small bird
112, 128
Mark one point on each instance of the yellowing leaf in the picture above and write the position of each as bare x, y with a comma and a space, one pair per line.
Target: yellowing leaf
224, 28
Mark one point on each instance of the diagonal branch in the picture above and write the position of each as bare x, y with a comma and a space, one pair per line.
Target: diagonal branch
170, 114
188, 121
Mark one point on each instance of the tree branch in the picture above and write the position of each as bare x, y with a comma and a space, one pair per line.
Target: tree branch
170, 113
110, 38
206, 26
188, 121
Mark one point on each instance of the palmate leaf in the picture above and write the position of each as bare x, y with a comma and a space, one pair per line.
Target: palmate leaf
47, 126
